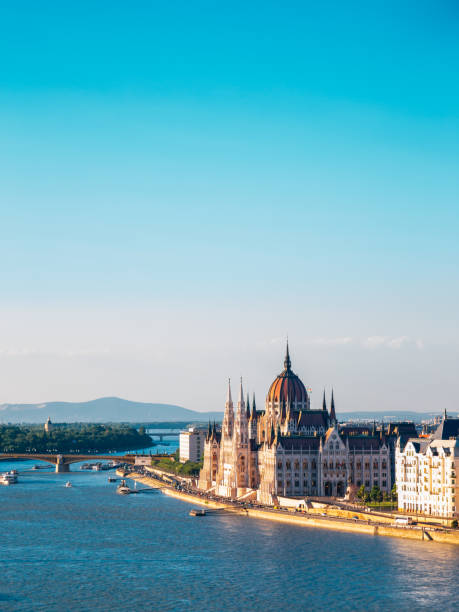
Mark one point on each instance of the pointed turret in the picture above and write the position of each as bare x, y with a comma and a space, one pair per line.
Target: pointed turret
240, 421
332, 409
253, 415
287, 362
247, 407
240, 401
324, 403
228, 419
229, 399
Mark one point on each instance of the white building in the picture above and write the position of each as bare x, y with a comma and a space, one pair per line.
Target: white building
426, 471
192, 444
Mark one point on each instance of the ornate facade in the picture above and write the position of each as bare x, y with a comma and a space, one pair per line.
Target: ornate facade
288, 449
426, 472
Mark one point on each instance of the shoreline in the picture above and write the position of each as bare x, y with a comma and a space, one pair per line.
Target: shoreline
305, 520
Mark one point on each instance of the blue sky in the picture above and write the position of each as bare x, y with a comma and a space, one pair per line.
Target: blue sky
183, 184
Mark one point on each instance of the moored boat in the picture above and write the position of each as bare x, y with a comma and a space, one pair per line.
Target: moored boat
8, 478
122, 488
200, 512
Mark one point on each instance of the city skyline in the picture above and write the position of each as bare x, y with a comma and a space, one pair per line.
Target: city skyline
172, 207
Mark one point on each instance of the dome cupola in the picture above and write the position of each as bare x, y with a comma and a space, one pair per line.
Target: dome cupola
287, 388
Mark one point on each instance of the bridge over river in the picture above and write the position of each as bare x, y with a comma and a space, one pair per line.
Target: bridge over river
159, 434
62, 462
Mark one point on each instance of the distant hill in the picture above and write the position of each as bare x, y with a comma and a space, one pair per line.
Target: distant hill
104, 409
115, 409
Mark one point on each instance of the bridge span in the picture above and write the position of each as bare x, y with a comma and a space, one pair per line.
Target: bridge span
163, 434
62, 462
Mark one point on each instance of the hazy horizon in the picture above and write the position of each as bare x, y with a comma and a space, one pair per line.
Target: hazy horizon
183, 185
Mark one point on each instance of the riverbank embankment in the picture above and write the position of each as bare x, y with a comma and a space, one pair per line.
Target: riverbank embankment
306, 520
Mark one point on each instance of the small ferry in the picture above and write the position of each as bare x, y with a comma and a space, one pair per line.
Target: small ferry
200, 512
8, 478
111, 479
68, 484
123, 489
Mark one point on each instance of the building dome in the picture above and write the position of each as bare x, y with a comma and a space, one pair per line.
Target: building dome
287, 387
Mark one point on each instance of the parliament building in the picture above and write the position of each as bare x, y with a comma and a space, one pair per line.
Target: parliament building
288, 449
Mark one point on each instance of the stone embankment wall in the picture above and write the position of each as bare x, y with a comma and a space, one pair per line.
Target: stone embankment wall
308, 520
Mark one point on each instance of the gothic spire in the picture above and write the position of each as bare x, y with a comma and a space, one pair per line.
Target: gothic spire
324, 403
229, 399
287, 362
228, 417
332, 409
240, 401
247, 407
254, 408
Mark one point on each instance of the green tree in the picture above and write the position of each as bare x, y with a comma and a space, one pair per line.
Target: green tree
375, 494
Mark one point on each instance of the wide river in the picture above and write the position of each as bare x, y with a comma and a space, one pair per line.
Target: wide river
87, 548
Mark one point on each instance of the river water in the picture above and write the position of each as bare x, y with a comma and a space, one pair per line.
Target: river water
87, 548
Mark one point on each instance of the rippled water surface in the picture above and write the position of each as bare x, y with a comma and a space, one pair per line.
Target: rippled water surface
86, 548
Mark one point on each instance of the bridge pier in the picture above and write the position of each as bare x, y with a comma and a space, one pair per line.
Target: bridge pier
61, 467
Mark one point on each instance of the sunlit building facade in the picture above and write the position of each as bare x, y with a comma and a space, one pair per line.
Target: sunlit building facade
426, 470
288, 449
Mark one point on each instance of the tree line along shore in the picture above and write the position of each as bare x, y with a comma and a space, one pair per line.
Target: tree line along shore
72, 437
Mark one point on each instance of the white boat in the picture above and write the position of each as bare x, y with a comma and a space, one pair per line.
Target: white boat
68, 484
8, 478
123, 489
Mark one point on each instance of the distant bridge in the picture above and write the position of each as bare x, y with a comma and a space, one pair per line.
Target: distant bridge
62, 462
163, 434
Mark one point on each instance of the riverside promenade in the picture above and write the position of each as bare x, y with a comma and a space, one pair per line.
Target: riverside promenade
367, 524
